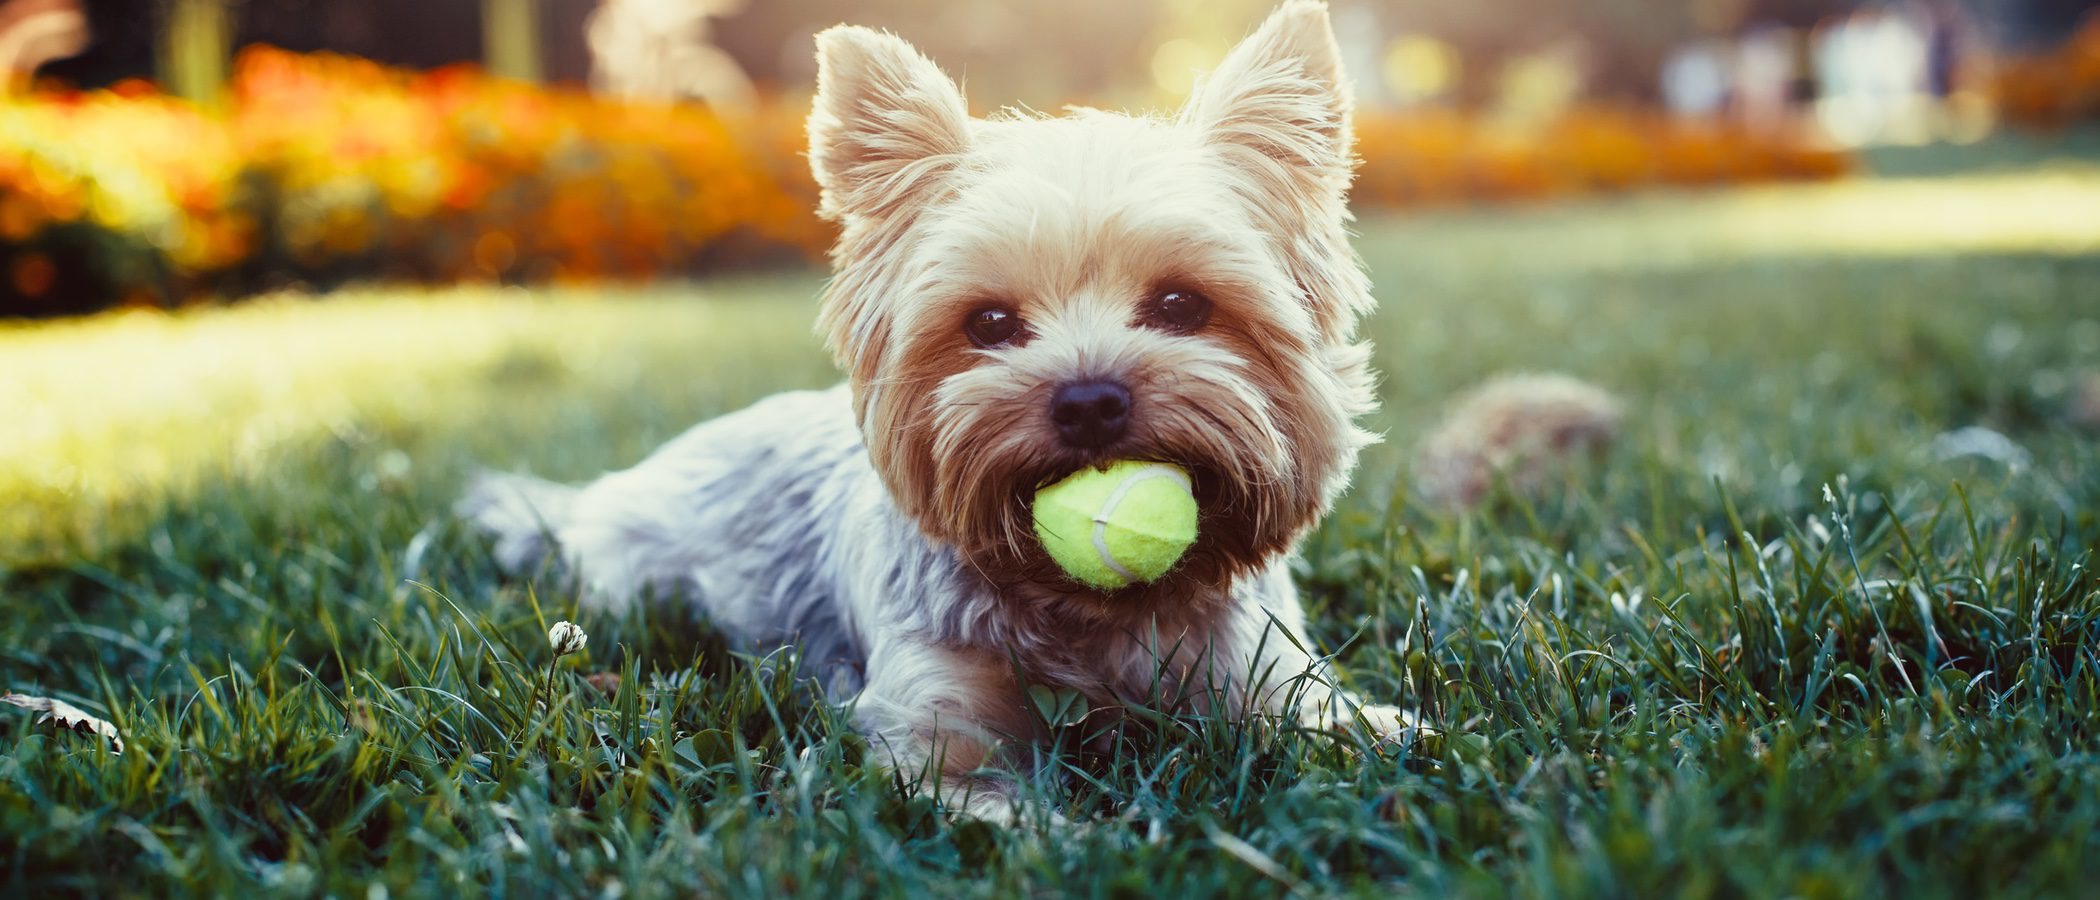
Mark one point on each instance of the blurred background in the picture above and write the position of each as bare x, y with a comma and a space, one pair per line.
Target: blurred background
1739, 362
166, 152
552, 233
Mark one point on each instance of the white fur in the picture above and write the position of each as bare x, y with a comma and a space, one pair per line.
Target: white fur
829, 520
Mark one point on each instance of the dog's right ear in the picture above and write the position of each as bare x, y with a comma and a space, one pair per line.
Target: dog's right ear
1281, 94
887, 125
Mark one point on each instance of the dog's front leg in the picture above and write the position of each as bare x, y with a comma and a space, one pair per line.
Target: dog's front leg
941, 713
1270, 648
1287, 681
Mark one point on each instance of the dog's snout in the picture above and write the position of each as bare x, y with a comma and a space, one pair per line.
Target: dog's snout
1091, 415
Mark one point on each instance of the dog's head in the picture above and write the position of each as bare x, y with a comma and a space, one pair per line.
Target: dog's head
1018, 297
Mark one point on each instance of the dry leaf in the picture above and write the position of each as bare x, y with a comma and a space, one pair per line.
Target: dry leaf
66, 715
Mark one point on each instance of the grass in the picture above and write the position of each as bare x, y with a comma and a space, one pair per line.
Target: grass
1689, 673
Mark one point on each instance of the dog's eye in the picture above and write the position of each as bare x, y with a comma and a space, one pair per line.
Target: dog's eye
993, 326
1177, 310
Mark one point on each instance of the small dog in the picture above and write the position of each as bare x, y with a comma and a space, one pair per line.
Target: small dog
1016, 298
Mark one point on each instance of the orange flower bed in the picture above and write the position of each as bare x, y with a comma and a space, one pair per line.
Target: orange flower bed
1441, 158
2050, 91
326, 168
126, 182
451, 175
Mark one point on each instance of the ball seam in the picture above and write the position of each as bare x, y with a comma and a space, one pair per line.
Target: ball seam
1115, 498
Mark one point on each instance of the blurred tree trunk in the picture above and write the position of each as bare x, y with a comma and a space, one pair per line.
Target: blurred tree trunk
510, 36
193, 54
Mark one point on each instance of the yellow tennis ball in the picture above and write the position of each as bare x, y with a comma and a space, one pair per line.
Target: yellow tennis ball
1109, 528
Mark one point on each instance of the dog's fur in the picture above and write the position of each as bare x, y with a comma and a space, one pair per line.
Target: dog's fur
885, 523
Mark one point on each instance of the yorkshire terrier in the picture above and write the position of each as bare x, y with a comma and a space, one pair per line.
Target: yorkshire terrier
1016, 298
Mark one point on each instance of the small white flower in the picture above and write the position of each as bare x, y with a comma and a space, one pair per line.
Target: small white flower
1817, 531
567, 638
1626, 606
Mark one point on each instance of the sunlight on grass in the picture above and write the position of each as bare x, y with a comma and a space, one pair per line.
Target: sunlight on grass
1773, 643
132, 407
135, 405
2045, 210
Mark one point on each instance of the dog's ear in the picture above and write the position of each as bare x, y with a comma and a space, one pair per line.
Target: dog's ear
1277, 109
887, 124
1281, 94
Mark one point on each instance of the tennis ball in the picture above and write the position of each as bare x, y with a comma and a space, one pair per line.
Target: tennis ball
1108, 528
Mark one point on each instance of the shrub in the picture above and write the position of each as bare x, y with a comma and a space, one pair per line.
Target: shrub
2051, 91
1445, 157
327, 168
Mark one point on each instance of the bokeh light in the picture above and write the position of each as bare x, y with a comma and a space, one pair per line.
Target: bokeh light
1419, 68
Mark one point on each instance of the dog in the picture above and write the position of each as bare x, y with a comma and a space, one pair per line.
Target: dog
1016, 298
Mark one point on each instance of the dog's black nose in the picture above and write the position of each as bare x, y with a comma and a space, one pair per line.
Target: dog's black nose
1091, 415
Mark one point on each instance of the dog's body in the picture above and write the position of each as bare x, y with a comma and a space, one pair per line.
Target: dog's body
1015, 299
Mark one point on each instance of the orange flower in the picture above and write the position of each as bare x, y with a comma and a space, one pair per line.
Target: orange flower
366, 170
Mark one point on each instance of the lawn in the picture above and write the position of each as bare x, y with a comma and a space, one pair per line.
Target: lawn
1779, 642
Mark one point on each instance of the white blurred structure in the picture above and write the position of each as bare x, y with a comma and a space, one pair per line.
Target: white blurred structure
1884, 74
1874, 69
1361, 38
662, 50
1765, 65
1695, 80
34, 32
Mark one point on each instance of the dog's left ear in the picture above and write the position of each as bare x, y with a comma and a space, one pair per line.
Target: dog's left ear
1281, 95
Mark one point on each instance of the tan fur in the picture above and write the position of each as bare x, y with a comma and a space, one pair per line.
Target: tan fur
1073, 221
886, 526
1522, 428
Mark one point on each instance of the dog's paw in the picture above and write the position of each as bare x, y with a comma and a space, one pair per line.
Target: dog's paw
1000, 809
1389, 724
1385, 724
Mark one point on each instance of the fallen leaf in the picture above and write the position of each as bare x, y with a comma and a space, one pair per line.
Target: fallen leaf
66, 715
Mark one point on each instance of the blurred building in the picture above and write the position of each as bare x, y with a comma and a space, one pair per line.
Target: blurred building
1042, 51
1404, 51
665, 50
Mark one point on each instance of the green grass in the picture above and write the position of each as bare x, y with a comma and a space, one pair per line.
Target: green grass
1686, 674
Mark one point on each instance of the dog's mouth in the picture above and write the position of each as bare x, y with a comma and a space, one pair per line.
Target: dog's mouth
1203, 479
1022, 558
1204, 482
